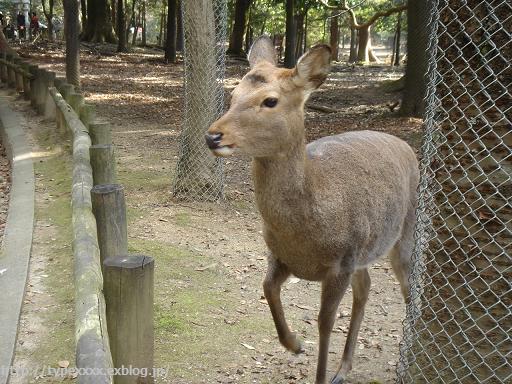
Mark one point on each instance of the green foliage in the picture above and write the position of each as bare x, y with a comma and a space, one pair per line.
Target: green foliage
269, 16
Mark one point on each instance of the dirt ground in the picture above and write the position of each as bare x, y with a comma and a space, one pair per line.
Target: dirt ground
212, 322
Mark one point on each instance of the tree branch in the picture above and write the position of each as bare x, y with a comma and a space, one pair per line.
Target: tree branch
388, 12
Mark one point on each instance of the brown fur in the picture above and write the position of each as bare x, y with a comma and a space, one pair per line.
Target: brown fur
330, 208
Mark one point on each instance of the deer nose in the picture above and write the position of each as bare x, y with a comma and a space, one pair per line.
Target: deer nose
213, 140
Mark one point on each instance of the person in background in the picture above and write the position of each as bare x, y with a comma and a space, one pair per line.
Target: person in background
34, 24
20, 20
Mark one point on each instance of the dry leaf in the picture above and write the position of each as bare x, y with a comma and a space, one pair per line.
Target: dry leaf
248, 346
63, 363
200, 269
306, 307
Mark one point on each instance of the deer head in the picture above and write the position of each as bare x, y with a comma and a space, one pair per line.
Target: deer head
266, 114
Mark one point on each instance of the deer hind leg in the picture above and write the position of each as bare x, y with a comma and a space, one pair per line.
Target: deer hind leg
400, 255
360, 290
333, 289
277, 273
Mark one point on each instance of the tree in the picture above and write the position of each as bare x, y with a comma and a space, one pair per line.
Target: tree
364, 51
395, 59
197, 171
179, 28
289, 53
49, 17
121, 27
334, 41
99, 27
144, 29
170, 43
415, 83
236, 40
72, 32
83, 9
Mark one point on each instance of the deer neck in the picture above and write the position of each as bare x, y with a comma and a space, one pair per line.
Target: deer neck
281, 183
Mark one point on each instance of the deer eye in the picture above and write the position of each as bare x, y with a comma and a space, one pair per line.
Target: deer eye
270, 102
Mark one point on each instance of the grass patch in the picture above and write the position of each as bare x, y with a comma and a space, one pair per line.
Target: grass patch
191, 306
53, 211
182, 219
143, 180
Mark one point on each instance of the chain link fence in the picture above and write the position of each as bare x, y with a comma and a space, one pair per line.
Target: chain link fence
199, 175
459, 320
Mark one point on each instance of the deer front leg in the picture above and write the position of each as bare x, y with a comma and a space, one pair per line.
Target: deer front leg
333, 289
360, 290
277, 274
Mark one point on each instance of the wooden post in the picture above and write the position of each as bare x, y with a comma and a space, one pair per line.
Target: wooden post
48, 105
128, 287
109, 208
103, 163
11, 75
59, 81
33, 69
76, 101
40, 90
66, 89
87, 114
100, 133
18, 76
3, 67
26, 82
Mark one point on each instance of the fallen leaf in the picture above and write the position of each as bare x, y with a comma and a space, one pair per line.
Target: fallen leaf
63, 363
248, 346
200, 269
306, 307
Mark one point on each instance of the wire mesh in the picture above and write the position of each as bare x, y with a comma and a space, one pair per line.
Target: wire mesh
459, 322
199, 175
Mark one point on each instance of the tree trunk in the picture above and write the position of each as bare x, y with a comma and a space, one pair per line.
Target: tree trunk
179, 27
163, 25
121, 27
72, 31
113, 11
236, 41
415, 82
99, 23
364, 45
353, 45
144, 29
299, 30
83, 9
305, 39
334, 40
170, 43
135, 23
396, 61
249, 32
289, 54
49, 16
198, 171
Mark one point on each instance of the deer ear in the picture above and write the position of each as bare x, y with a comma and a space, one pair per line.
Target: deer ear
262, 49
313, 67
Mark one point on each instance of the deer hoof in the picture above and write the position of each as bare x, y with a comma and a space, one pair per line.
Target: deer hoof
337, 380
293, 344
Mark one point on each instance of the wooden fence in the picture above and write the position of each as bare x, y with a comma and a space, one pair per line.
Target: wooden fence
113, 290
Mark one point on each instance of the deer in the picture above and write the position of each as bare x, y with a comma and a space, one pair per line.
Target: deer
330, 208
